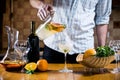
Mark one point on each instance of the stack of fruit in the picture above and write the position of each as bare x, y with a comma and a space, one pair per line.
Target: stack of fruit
41, 65
96, 58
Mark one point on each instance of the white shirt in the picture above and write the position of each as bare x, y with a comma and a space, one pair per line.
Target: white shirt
80, 17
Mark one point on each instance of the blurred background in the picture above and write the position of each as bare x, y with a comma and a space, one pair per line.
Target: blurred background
19, 13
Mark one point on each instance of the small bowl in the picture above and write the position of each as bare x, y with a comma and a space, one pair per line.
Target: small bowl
94, 62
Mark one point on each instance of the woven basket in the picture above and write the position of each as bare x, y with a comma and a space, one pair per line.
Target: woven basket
95, 62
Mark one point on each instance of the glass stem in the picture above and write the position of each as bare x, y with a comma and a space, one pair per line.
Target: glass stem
117, 61
65, 61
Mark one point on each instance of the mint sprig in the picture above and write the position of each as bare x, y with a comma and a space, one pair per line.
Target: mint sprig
29, 72
104, 51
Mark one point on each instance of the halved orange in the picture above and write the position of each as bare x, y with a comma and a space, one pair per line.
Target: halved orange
31, 66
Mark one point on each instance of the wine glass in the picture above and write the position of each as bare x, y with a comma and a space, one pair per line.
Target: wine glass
65, 45
115, 45
21, 48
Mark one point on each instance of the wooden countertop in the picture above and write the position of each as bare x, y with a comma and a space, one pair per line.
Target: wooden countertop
78, 73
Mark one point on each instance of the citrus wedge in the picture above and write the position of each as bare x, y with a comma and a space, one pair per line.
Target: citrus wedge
31, 66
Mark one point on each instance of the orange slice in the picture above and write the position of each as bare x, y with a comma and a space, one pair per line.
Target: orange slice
31, 66
55, 26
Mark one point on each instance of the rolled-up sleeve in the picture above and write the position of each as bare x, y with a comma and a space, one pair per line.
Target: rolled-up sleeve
103, 11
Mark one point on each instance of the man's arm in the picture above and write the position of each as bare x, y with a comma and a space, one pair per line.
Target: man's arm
36, 3
101, 31
103, 11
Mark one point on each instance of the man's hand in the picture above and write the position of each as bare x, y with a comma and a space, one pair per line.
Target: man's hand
45, 12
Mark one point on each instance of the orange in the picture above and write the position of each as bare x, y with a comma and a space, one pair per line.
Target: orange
31, 66
42, 64
89, 52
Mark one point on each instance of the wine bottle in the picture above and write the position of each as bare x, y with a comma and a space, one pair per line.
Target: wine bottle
33, 44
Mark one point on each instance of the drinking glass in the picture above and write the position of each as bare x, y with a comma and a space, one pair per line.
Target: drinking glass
21, 50
115, 45
65, 46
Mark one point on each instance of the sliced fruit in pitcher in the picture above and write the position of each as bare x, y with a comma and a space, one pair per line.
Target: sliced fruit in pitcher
55, 26
49, 29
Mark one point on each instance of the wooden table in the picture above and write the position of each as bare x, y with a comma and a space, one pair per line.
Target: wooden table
78, 73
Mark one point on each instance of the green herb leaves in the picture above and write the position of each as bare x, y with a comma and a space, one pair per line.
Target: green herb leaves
104, 51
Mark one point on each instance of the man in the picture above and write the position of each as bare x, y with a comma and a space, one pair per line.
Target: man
80, 18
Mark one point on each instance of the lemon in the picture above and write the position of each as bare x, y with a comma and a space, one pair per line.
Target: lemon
89, 52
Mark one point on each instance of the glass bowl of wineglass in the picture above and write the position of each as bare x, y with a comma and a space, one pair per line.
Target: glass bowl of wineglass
65, 45
21, 49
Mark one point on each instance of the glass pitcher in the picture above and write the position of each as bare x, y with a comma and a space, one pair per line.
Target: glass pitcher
12, 37
48, 29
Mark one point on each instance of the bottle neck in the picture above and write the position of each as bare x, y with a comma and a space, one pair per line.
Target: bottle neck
32, 27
